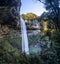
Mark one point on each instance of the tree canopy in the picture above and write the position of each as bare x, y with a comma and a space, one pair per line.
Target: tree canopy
29, 16
53, 7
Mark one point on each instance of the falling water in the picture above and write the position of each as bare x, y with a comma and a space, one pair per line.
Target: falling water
25, 47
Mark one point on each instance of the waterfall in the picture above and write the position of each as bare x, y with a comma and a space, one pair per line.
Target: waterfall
25, 47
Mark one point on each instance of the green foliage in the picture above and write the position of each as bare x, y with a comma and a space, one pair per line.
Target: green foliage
56, 39
10, 54
53, 7
29, 16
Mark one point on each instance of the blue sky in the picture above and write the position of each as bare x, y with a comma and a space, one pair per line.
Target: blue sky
32, 6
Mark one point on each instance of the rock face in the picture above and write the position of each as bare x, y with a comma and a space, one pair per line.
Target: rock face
9, 11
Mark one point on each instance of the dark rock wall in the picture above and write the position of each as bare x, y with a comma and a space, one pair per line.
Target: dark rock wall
9, 11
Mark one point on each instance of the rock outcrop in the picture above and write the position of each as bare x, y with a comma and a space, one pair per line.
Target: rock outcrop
9, 11
9, 14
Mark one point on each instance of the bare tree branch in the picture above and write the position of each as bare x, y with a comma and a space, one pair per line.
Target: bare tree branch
42, 2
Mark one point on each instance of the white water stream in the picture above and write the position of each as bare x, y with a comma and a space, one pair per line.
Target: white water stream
25, 47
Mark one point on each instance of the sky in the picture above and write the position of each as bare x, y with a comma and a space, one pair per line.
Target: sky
33, 6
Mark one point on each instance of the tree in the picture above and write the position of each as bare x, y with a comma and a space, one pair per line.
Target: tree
29, 16
53, 7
